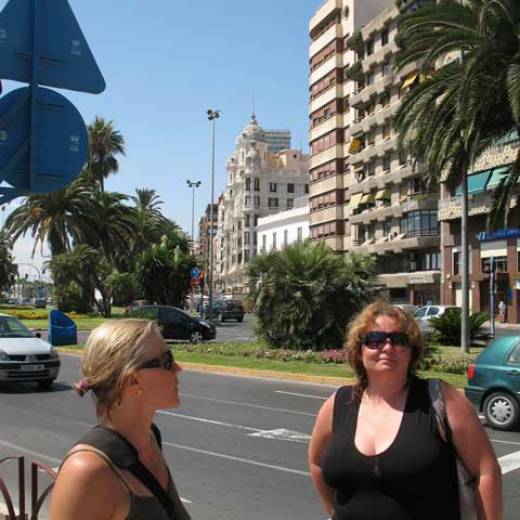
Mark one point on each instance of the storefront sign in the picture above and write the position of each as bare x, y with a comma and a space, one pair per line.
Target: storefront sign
501, 234
415, 279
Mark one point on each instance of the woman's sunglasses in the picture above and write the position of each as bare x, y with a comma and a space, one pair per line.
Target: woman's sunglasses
165, 361
376, 339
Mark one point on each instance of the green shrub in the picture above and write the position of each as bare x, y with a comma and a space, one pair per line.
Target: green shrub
447, 326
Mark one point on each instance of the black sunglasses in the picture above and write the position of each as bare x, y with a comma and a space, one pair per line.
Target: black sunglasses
376, 339
165, 361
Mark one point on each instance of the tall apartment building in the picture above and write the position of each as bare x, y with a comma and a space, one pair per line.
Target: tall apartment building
259, 183
205, 233
364, 197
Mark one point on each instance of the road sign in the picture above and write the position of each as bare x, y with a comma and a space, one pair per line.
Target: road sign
65, 60
195, 272
43, 138
59, 153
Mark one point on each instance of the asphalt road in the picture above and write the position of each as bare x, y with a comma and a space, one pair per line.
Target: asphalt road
237, 446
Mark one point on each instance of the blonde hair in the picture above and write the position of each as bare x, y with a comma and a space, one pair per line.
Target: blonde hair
362, 324
112, 352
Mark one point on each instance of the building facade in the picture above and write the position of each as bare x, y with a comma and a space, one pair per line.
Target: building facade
259, 183
502, 245
202, 249
364, 196
282, 229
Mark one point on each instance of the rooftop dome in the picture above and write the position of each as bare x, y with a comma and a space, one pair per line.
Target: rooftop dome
252, 131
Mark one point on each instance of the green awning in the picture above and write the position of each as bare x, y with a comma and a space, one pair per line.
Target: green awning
355, 200
368, 198
476, 182
497, 175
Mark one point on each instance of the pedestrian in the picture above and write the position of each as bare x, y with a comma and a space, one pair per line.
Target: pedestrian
117, 470
377, 450
502, 311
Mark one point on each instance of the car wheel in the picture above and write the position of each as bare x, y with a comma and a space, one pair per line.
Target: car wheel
46, 384
196, 337
501, 411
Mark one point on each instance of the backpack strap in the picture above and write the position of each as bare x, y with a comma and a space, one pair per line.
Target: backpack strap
439, 408
125, 456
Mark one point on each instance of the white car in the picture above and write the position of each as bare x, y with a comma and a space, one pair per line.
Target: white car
423, 315
24, 356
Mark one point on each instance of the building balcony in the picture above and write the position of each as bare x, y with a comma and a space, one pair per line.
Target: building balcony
370, 183
379, 56
335, 243
333, 32
326, 10
329, 214
376, 118
327, 155
478, 204
405, 171
364, 95
420, 202
398, 280
326, 97
377, 214
398, 244
372, 151
334, 182
326, 126
335, 61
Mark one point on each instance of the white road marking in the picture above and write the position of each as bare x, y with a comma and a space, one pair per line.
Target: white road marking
186, 501
505, 442
301, 395
30, 452
209, 421
510, 462
237, 403
237, 459
283, 434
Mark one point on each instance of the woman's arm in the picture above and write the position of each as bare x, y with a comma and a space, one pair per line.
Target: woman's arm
320, 439
475, 450
86, 489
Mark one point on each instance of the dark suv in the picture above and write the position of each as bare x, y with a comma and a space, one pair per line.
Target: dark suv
228, 310
175, 323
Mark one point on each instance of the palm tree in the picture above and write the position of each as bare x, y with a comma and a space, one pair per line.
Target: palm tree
105, 143
464, 107
305, 295
58, 218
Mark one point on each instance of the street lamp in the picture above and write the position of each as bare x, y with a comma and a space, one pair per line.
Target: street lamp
39, 275
193, 185
212, 115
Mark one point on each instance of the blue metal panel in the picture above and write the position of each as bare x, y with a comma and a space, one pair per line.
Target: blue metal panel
59, 153
65, 59
497, 176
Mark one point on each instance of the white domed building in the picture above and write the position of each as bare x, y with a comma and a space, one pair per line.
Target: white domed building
262, 179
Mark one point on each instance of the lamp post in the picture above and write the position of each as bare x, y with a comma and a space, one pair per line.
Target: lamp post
39, 275
193, 185
212, 115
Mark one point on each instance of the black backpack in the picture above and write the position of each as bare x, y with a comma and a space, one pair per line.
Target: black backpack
125, 456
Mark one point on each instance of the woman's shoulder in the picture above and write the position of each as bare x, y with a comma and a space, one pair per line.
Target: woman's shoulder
82, 462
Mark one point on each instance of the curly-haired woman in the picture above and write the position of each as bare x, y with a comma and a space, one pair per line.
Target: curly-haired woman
377, 451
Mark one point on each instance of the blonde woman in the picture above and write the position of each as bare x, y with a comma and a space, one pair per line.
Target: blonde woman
376, 451
117, 471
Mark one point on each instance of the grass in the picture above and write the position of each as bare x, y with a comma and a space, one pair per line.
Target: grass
245, 356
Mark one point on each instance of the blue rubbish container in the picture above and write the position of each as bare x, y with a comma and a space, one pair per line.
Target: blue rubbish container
62, 330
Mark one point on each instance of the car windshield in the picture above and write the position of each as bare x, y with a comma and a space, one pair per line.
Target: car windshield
12, 328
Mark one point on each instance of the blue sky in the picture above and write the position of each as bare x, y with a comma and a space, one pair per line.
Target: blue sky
166, 62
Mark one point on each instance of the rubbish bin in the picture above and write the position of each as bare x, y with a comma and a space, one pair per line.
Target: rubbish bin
62, 330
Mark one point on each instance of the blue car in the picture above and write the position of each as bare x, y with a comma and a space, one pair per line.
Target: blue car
494, 383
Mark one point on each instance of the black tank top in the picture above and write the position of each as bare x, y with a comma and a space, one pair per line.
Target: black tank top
414, 479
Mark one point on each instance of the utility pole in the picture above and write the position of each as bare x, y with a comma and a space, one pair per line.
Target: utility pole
212, 116
193, 185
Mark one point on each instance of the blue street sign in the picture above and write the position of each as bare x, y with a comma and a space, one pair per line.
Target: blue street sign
58, 154
195, 272
64, 57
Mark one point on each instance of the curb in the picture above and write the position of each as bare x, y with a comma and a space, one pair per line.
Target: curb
251, 372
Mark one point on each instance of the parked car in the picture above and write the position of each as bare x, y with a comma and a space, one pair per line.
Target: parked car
423, 315
24, 356
407, 307
494, 383
136, 303
228, 310
175, 323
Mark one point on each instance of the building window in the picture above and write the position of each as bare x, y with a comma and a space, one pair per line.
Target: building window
290, 188
384, 37
256, 220
247, 220
246, 238
290, 203
299, 234
369, 47
273, 202
257, 184
272, 187
285, 237
246, 256
274, 240
248, 184
386, 163
500, 263
254, 238
387, 227
384, 100
257, 201
420, 223
264, 242
247, 201
306, 189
